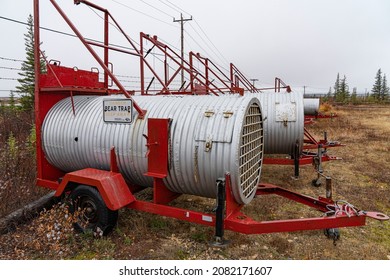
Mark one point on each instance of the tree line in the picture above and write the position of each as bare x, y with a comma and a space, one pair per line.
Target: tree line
380, 92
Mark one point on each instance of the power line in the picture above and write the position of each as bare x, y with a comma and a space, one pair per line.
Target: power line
11, 59
154, 54
196, 42
10, 68
145, 14
182, 21
10, 79
161, 11
176, 10
43, 28
211, 49
180, 10
62, 33
13, 20
211, 41
177, 7
74, 36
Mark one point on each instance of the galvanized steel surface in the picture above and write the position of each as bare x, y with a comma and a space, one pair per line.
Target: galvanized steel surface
311, 106
283, 120
209, 136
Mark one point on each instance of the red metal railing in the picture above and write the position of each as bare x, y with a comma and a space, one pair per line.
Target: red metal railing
87, 43
238, 79
279, 84
181, 65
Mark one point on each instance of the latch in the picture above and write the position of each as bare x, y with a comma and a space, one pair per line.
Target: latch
227, 114
209, 114
208, 145
148, 144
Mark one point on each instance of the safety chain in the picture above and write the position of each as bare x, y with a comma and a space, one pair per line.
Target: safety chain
341, 206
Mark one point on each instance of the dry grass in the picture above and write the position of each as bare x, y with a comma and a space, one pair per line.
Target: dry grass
362, 178
17, 160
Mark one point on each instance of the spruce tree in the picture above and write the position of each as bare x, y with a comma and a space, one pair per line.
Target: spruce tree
27, 80
354, 98
341, 93
344, 90
330, 92
329, 95
377, 87
384, 89
337, 87
12, 100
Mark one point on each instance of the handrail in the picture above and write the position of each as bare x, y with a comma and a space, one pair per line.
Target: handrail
87, 44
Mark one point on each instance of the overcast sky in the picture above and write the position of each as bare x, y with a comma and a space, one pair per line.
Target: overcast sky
304, 42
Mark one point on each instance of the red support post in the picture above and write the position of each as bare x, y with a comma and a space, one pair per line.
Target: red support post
106, 41
141, 62
37, 71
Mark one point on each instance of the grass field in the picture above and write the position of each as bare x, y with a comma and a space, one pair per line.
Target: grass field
362, 178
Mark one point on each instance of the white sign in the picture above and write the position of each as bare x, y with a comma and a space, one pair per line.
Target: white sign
118, 110
285, 112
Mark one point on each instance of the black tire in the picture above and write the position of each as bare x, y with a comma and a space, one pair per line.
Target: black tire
91, 213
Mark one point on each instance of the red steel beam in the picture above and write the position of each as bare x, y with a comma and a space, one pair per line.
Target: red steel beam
140, 111
37, 71
106, 42
235, 72
105, 46
205, 62
176, 59
248, 226
144, 61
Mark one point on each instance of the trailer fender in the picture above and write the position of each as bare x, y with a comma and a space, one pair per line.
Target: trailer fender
111, 186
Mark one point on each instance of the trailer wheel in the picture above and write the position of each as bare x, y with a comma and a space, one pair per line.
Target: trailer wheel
90, 211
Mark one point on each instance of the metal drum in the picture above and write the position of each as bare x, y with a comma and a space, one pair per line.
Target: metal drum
283, 121
311, 106
209, 136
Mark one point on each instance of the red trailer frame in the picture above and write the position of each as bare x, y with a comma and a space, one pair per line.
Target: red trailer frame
60, 82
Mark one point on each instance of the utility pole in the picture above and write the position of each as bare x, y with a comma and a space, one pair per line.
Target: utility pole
253, 82
182, 20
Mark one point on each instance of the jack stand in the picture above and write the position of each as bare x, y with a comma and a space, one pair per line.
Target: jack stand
328, 187
296, 160
325, 136
331, 233
218, 240
326, 143
318, 167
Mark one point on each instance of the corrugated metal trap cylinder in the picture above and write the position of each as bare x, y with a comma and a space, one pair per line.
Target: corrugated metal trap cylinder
283, 121
209, 136
311, 106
